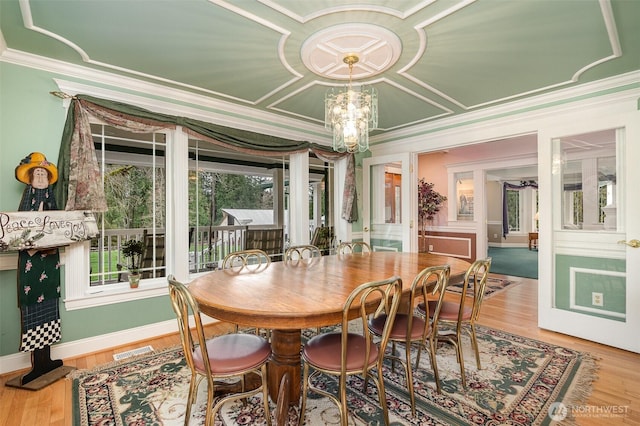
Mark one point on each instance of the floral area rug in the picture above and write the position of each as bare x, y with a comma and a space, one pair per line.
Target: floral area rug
493, 287
522, 381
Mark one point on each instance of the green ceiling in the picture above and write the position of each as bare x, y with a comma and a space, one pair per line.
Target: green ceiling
456, 56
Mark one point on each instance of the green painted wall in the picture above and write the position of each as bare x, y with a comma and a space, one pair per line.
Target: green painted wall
592, 279
392, 244
31, 119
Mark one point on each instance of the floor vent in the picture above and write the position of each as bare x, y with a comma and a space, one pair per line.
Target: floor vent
133, 352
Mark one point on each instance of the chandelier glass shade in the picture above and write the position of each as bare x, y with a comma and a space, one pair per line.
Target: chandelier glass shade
350, 114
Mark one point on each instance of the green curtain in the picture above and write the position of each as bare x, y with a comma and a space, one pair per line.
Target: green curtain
75, 164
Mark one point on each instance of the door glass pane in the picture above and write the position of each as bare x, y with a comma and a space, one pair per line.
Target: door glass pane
589, 181
388, 203
386, 206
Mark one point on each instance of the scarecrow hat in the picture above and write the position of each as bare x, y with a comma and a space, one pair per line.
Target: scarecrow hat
31, 161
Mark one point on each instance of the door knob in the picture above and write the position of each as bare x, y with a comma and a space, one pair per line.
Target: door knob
366, 229
632, 243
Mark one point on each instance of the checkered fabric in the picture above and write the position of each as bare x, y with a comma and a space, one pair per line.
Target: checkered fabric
40, 325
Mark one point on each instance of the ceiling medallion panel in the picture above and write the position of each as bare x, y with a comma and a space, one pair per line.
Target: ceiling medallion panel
377, 49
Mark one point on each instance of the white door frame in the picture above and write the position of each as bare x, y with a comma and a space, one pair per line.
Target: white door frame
408, 205
553, 241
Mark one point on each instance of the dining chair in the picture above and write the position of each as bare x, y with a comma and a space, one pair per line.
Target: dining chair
324, 238
409, 328
352, 351
222, 357
252, 260
269, 240
301, 252
347, 247
303, 255
152, 261
458, 317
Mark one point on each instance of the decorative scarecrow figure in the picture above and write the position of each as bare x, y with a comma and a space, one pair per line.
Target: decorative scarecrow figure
38, 272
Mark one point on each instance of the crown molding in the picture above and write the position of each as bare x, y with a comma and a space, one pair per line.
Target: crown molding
614, 89
169, 100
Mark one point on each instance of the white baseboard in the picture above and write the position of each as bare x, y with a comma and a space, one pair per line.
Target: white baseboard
22, 360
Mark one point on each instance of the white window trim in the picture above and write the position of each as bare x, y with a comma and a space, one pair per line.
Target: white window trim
520, 213
79, 295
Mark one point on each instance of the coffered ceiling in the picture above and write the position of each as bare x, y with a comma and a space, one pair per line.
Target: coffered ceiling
427, 59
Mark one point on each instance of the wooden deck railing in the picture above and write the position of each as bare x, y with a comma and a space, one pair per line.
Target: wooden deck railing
207, 247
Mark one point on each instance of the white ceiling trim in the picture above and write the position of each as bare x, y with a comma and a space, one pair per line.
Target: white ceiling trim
607, 15
612, 32
347, 8
250, 16
422, 37
27, 20
434, 90
444, 14
3, 44
243, 118
25, 8
610, 23
540, 106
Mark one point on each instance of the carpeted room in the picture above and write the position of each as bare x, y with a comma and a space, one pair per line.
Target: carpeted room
549, 374
153, 388
514, 261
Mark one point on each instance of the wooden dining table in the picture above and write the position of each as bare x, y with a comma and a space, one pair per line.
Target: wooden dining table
289, 296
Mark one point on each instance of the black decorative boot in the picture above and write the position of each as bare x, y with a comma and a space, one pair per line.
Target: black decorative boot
41, 363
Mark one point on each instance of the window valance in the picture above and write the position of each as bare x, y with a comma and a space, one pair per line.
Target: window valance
79, 185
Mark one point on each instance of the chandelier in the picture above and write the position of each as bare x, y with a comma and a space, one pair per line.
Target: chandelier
350, 113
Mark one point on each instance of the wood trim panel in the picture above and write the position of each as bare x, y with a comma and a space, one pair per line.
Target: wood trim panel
454, 244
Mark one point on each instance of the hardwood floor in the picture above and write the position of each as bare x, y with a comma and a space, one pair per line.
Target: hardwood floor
514, 310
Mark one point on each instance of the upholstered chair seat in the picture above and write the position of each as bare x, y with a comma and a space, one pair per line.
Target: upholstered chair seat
409, 329
460, 317
324, 352
230, 356
352, 351
448, 312
233, 352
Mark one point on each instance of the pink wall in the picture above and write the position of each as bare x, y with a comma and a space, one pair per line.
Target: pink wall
432, 167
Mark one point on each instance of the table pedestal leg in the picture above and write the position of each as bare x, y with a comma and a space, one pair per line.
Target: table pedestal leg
285, 359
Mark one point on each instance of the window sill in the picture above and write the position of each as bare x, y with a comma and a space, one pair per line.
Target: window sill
117, 293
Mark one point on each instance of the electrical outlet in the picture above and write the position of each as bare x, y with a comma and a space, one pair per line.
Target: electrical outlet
495, 235
597, 299
430, 247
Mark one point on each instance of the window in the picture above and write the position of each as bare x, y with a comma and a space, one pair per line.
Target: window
464, 195
393, 201
513, 209
134, 178
170, 179
227, 194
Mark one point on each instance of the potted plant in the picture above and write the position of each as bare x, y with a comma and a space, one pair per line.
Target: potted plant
132, 251
429, 202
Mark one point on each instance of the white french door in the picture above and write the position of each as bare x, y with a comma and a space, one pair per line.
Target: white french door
593, 290
387, 203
